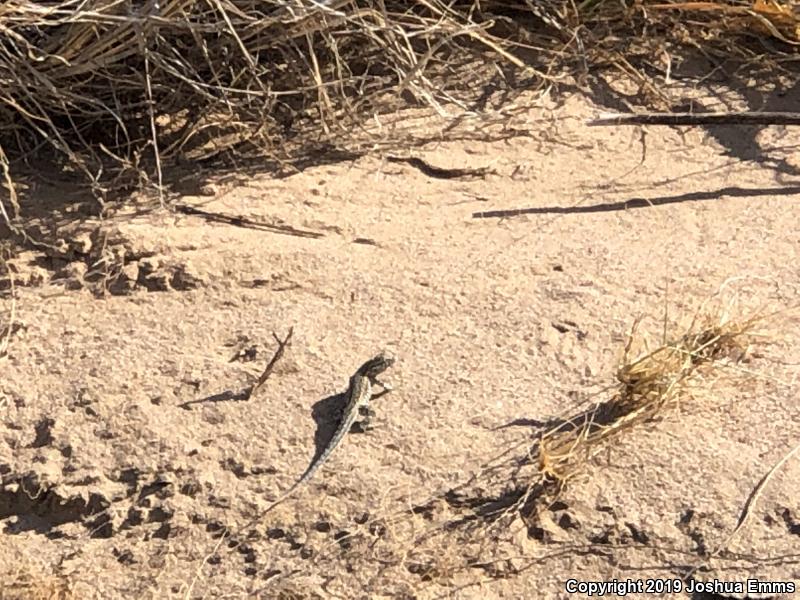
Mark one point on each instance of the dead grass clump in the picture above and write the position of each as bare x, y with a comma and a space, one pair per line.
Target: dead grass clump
107, 89
648, 384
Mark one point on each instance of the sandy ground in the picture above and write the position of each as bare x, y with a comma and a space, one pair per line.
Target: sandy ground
128, 447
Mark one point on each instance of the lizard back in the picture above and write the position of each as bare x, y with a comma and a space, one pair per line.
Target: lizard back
358, 394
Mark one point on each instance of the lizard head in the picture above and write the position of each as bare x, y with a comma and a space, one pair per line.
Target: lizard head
377, 365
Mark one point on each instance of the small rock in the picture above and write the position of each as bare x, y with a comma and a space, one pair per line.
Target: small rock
35, 276
553, 532
149, 265
126, 280
521, 539
81, 243
60, 248
74, 274
209, 189
130, 272
187, 277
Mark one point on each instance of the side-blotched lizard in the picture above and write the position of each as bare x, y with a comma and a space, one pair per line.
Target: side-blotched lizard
357, 399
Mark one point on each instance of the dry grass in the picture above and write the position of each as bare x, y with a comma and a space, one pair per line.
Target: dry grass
648, 383
120, 93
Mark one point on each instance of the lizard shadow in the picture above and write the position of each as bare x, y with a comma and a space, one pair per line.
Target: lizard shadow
226, 396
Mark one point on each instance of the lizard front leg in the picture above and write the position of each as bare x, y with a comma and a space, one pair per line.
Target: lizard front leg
385, 388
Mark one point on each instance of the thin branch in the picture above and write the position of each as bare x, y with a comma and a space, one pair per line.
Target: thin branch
282, 344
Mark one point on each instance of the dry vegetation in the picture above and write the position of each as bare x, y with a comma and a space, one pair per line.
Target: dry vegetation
651, 382
647, 385
122, 93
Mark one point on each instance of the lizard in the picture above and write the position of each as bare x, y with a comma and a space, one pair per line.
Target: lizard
357, 399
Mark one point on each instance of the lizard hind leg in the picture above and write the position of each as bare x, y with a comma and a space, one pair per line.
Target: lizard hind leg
365, 424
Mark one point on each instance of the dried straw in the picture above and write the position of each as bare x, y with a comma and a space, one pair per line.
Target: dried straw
120, 92
647, 385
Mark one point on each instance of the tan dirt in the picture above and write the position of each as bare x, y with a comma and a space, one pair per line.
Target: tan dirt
128, 445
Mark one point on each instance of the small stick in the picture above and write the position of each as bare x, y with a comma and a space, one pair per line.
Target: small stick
271, 365
748, 505
710, 118
751, 499
439, 172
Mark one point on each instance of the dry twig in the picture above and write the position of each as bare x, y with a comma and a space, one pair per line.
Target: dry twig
282, 344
